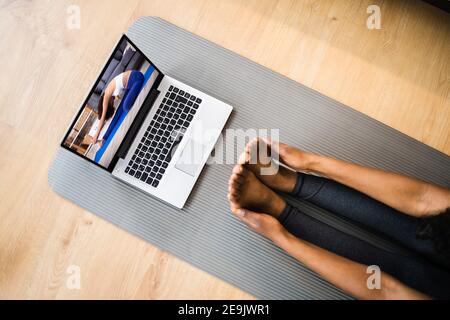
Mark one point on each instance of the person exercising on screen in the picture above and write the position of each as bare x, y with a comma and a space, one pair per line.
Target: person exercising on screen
413, 213
127, 84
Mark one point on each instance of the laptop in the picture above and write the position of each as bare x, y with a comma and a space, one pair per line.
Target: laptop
146, 128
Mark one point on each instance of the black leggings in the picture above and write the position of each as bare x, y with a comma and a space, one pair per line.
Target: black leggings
428, 278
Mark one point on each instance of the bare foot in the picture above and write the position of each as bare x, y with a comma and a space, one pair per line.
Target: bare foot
246, 191
257, 157
294, 158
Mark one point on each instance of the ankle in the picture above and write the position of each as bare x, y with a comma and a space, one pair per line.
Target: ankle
311, 162
289, 181
277, 206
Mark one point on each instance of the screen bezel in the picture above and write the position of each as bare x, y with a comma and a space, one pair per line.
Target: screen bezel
155, 85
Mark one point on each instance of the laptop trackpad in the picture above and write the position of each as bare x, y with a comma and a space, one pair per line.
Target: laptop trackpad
191, 158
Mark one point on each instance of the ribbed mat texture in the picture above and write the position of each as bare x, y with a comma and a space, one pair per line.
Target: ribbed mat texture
205, 234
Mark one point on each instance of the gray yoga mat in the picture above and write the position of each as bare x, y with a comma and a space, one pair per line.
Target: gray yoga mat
205, 234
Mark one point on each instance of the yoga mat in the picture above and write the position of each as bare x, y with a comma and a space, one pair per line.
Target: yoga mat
205, 233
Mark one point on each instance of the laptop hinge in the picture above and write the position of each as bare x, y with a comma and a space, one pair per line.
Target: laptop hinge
135, 127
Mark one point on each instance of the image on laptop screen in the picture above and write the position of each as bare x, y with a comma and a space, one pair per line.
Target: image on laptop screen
112, 105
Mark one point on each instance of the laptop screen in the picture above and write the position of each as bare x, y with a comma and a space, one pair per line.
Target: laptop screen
112, 104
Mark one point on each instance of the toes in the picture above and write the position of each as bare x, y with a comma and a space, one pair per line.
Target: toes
238, 169
258, 151
234, 185
252, 146
235, 180
233, 198
233, 191
267, 140
234, 208
253, 142
244, 157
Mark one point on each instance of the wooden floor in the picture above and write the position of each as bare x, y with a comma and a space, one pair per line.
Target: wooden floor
399, 75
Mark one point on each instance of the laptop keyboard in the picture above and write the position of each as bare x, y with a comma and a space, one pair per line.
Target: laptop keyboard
152, 156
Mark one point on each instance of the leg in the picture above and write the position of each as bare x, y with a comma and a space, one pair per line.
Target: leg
419, 275
353, 205
134, 87
247, 191
343, 201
